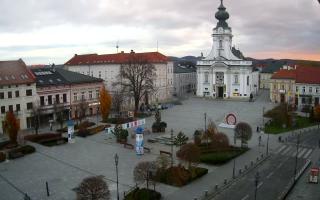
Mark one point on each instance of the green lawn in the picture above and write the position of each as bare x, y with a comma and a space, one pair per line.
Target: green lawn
302, 122
221, 157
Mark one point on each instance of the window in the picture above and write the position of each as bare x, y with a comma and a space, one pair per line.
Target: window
29, 92
29, 106
297, 89
49, 100
75, 96
64, 98
57, 98
17, 93
97, 94
3, 109
206, 77
303, 89
248, 80
90, 94
99, 74
236, 79
282, 87
9, 95
310, 89
42, 101
220, 44
11, 108
92, 74
274, 86
82, 96
317, 90
1, 95
18, 107
303, 100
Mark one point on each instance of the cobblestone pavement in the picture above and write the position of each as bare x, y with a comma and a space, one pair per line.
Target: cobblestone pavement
65, 166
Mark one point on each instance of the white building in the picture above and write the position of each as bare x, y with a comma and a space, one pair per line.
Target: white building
107, 67
224, 73
17, 92
185, 80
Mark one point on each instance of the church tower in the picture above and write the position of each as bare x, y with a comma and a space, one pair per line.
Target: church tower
222, 37
225, 73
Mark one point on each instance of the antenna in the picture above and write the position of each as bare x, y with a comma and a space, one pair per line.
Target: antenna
157, 46
117, 46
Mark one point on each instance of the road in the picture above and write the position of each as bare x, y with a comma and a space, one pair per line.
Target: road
275, 173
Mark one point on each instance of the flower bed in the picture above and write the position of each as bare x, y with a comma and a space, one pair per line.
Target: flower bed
47, 139
143, 194
21, 151
2, 157
91, 131
179, 175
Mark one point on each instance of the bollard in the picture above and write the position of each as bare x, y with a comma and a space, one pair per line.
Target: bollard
257, 159
251, 163
206, 193
240, 171
216, 187
261, 155
246, 167
225, 181
195, 198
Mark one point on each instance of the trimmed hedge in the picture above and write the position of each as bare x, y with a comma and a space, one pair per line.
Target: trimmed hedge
36, 138
221, 157
2, 156
143, 194
180, 176
20, 151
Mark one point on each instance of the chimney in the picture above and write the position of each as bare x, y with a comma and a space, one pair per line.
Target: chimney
122, 51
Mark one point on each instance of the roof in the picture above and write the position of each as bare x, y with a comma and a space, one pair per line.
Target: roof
15, 72
284, 74
119, 58
271, 68
309, 75
302, 74
58, 76
183, 69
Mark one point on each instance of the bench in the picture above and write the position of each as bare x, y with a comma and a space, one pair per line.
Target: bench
165, 152
128, 146
15, 154
146, 149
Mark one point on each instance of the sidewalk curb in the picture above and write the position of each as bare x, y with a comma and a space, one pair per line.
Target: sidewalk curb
216, 192
293, 181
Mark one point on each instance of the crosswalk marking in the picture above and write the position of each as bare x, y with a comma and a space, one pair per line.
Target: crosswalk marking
302, 152
291, 151
307, 154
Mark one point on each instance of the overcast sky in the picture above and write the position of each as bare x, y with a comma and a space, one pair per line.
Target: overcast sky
52, 31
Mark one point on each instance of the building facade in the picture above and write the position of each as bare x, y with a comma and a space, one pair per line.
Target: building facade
185, 81
299, 86
59, 89
224, 73
17, 92
107, 67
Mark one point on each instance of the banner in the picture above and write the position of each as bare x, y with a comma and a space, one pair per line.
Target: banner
133, 124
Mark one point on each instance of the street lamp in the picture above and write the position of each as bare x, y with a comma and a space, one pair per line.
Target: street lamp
171, 147
116, 161
256, 181
296, 162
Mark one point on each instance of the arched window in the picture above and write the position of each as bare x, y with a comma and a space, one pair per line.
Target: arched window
220, 44
248, 80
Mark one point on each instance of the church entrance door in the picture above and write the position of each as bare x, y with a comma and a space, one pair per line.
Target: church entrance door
220, 92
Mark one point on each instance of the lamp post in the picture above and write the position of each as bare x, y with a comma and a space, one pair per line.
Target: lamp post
116, 161
171, 147
256, 181
234, 169
296, 161
268, 144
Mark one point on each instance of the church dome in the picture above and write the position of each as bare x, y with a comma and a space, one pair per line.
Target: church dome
222, 15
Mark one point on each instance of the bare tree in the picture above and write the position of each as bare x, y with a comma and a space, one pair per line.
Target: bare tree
136, 78
163, 162
83, 107
243, 131
208, 135
144, 171
36, 115
117, 101
58, 112
189, 153
93, 188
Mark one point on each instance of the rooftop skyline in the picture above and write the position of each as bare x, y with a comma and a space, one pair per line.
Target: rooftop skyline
42, 32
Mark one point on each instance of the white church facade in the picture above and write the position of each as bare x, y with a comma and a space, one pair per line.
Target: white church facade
225, 73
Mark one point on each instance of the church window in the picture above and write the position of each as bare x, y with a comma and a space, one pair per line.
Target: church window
236, 79
206, 77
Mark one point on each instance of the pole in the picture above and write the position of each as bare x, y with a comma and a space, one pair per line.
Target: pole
257, 176
116, 160
234, 169
296, 161
205, 128
171, 147
47, 187
268, 145
263, 117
